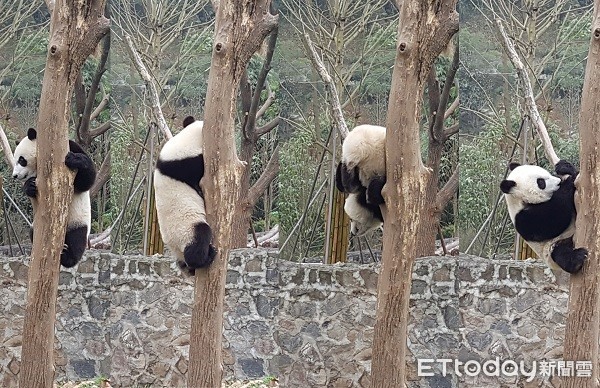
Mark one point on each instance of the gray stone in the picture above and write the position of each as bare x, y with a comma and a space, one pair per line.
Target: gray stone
252, 367
479, 340
439, 381
267, 307
451, 318
84, 369
418, 287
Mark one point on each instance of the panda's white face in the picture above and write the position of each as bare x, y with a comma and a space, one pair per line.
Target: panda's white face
25, 157
528, 184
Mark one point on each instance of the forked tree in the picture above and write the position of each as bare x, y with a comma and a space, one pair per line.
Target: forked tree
240, 29
425, 29
76, 28
583, 321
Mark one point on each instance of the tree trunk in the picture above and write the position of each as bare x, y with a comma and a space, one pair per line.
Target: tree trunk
75, 30
424, 30
240, 29
583, 322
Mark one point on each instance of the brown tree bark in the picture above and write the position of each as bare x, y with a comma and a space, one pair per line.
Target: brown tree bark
75, 30
583, 321
240, 29
424, 30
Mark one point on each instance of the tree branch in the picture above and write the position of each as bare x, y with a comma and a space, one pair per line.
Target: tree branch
101, 129
268, 127
337, 114
101, 178
260, 82
101, 105
534, 114
447, 192
268, 102
451, 130
8, 155
154, 98
268, 175
452, 108
83, 129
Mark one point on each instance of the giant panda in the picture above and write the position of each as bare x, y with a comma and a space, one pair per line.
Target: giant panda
361, 174
179, 198
542, 208
80, 214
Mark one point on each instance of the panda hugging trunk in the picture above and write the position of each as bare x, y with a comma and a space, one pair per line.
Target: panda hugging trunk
542, 208
80, 214
180, 201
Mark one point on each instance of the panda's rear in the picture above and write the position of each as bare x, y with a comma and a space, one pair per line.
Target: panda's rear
179, 200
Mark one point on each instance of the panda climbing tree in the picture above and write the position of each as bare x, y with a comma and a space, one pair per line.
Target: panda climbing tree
581, 332
76, 28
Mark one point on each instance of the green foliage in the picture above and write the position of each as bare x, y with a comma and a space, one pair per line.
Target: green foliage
299, 164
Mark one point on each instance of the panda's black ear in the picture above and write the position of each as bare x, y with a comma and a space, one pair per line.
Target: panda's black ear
188, 120
513, 165
31, 134
507, 185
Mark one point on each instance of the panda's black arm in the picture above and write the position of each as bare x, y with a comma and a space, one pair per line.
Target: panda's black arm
78, 159
544, 221
565, 168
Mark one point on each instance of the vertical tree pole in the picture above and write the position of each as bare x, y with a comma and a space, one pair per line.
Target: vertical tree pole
583, 321
424, 30
240, 28
76, 27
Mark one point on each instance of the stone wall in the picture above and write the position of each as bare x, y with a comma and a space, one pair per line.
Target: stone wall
308, 324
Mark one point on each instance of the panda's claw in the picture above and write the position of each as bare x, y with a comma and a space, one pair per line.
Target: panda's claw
75, 161
30, 187
565, 168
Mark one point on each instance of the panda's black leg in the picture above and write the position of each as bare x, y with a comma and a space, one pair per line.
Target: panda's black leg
86, 171
347, 180
75, 244
30, 188
200, 253
566, 257
374, 196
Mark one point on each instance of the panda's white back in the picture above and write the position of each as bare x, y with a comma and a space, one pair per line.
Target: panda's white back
365, 147
186, 144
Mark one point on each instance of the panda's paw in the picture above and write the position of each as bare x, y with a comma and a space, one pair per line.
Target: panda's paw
565, 168
30, 188
579, 256
75, 161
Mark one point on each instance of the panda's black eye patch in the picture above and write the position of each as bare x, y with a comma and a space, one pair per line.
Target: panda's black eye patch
22, 161
541, 183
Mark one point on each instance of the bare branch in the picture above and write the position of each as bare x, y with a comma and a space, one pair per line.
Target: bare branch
451, 130
268, 102
154, 98
268, 175
268, 127
8, 155
101, 129
452, 108
447, 192
534, 114
102, 177
338, 115
101, 105
260, 82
